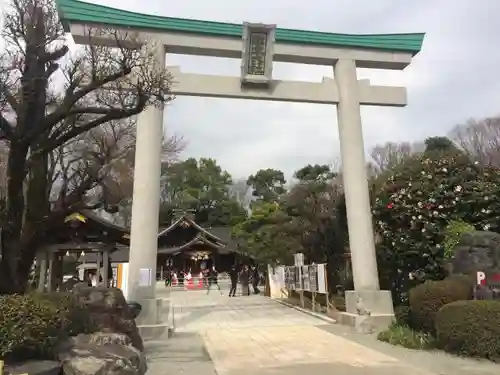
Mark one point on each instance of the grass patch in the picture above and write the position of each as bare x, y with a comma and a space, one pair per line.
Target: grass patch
404, 336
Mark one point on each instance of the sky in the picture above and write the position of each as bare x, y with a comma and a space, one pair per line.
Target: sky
453, 78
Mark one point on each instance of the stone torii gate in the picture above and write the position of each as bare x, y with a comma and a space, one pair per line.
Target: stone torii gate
258, 46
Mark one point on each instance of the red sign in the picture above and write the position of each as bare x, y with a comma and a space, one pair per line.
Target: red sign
486, 279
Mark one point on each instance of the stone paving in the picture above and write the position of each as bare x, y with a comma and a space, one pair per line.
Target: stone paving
195, 311
257, 336
185, 353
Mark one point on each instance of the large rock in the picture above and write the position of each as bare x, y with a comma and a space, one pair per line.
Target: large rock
101, 354
110, 312
34, 368
476, 251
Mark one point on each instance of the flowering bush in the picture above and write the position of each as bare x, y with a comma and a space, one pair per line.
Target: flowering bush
415, 204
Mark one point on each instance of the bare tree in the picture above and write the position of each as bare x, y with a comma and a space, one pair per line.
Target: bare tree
119, 183
102, 85
480, 139
4, 154
390, 154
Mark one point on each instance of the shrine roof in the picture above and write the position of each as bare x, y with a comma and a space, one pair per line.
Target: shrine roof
198, 240
74, 11
90, 227
185, 222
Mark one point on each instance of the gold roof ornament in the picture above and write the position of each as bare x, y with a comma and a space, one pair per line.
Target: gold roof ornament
75, 217
185, 224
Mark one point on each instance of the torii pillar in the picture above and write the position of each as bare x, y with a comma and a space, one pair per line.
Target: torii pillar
141, 280
367, 293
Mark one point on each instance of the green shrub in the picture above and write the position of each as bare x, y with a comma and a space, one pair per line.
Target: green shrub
426, 299
403, 335
402, 314
32, 325
470, 328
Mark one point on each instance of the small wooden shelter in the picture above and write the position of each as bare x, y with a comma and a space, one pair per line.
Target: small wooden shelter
78, 234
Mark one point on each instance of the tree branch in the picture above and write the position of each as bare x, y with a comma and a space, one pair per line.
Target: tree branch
70, 99
113, 114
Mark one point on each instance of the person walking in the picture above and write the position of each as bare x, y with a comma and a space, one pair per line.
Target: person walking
233, 275
255, 280
213, 279
168, 278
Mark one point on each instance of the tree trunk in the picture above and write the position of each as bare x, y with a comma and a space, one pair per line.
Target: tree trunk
13, 225
36, 218
25, 222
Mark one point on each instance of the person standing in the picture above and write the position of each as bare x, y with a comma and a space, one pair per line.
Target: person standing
245, 279
255, 280
89, 279
233, 275
213, 279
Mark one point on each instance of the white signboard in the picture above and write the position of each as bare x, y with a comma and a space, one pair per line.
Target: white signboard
322, 288
305, 278
298, 259
145, 277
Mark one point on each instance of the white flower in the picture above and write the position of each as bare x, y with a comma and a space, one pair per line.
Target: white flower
486, 198
420, 204
440, 207
423, 230
409, 183
458, 188
429, 177
476, 163
432, 200
483, 211
486, 227
445, 170
413, 218
419, 217
435, 213
423, 172
438, 246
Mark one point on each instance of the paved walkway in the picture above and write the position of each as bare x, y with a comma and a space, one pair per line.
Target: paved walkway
257, 336
195, 311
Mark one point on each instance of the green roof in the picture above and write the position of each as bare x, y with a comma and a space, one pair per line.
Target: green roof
74, 11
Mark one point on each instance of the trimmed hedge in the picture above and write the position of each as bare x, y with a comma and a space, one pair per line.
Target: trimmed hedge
426, 299
470, 328
32, 325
